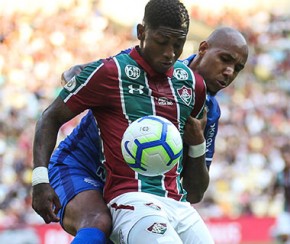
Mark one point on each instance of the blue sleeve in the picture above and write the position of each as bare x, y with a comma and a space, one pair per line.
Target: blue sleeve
210, 135
126, 51
83, 143
211, 128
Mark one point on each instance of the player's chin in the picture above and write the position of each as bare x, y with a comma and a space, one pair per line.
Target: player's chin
213, 89
163, 68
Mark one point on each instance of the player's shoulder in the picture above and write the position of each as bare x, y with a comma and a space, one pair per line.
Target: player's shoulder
181, 65
121, 58
214, 111
212, 101
108, 63
183, 72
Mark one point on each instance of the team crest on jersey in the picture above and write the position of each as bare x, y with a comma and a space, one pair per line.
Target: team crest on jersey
180, 74
158, 228
132, 72
185, 94
71, 84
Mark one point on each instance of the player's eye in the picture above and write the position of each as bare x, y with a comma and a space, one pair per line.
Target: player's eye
225, 59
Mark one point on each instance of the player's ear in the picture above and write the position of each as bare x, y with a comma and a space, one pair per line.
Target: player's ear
140, 32
203, 46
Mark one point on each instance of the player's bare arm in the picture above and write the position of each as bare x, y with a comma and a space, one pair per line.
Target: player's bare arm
44, 200
195, 173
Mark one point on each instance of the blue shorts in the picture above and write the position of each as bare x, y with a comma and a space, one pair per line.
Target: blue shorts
68, 179
75, 165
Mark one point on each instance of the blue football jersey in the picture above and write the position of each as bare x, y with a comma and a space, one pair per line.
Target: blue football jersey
213, 116
83, 145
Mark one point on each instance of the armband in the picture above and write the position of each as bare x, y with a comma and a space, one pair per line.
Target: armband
197, 150
39, 175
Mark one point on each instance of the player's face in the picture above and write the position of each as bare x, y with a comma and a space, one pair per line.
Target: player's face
161, 47
220, 65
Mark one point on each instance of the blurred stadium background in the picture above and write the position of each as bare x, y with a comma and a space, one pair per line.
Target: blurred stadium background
40, 39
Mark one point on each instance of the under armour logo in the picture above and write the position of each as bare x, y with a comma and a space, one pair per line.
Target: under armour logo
133, 89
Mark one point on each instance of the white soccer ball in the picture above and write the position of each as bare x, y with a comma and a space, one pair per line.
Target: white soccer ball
151, 145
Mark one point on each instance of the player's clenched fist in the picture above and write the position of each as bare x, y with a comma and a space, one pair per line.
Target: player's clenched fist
45, 202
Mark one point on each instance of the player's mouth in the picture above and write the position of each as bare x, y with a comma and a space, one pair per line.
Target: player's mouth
167, 65
222, 84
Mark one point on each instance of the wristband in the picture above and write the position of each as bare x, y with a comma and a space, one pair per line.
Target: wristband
39, 175
197, 150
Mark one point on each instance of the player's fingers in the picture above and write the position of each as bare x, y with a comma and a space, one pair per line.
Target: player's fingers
46, 217
204, 116
51, 216
57, 205
46, 211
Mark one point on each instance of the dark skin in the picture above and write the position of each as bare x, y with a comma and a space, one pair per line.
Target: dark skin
161, 47
219, 60
74, 219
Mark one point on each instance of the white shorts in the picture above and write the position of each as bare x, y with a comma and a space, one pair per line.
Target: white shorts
129, 208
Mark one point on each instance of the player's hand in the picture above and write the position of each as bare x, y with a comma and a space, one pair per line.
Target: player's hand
67, 75
194, 130
45, 202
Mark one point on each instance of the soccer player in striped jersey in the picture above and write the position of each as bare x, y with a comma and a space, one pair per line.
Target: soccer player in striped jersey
120, 90
220, 62
90, 121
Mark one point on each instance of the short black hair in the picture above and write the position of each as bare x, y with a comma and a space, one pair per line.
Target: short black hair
169, 13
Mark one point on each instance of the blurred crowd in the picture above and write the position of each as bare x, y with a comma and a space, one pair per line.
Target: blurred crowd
36, 47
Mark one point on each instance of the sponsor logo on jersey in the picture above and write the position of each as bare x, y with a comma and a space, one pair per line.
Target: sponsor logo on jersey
132, 72
185, 94
136, 89
180, 74
210, 135
158, 228
164, 101
71, 84
152, 205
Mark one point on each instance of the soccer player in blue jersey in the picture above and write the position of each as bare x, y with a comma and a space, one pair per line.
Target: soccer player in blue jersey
227, 65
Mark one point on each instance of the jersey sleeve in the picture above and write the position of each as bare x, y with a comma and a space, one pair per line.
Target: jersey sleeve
89, 90
210, 136
200, 96
211, 128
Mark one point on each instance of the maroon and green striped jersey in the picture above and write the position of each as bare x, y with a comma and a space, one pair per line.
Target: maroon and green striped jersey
122, 89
